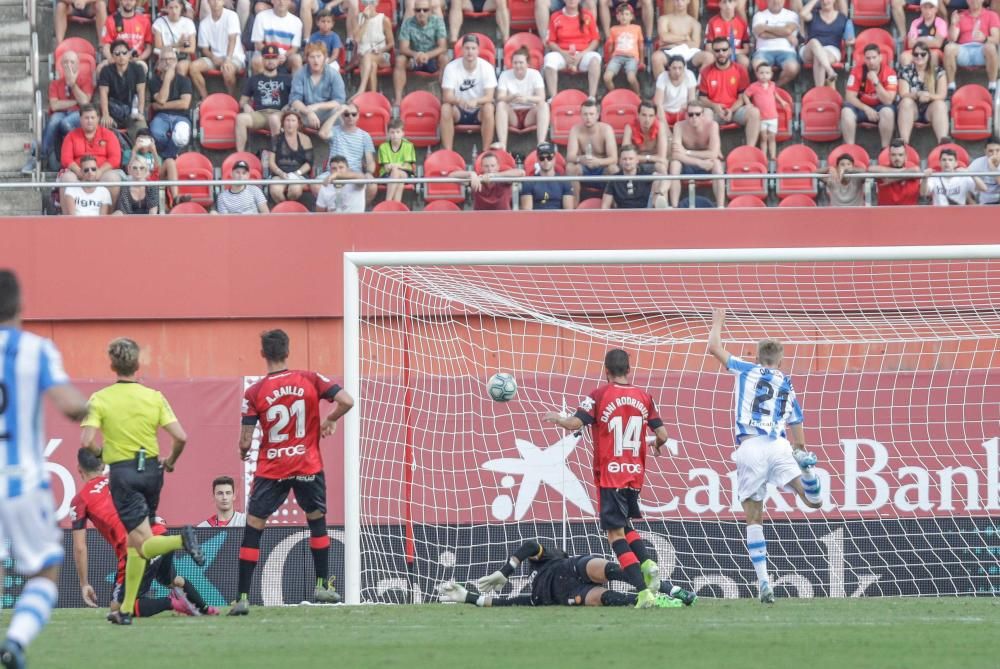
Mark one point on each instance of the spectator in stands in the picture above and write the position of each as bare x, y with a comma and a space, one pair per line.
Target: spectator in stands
171, 105
544, 10
175, 30
923, 88
841, 190
328, 38
312, 11
870, 97
826, 31
122, 91
145, 148
646, 8
763, 95
397, 159
132, 27
240, 7
423, 46
989, 163
972, 42
696, 149
675, 88
291, 159
776, 30
92, 139
317, 89
352, 143
650, 137
591, 149
85, 9
66, 94
456, 16
221, 48
928, 30
86, 200
546, 194
679, 35
224, 496
732, 25
468, 86
134, 200
634, 194
277, 27
952, 190
488, 195
573, 44
241, 198
721, 90
374, 40
624, 42
893, 191
521, 100
265, 95
693, 9
338, 195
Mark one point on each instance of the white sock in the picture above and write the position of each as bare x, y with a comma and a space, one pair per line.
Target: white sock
757, 548
810, 485
32, 610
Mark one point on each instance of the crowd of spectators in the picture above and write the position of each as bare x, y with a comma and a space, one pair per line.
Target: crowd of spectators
129, 113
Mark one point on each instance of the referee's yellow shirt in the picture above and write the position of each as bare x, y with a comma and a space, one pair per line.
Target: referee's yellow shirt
128, 414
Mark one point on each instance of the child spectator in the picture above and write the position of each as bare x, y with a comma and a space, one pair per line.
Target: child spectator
325, 34
624, 41
763, 95
397, 159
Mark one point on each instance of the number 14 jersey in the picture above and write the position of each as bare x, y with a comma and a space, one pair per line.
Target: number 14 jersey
617, 414
287, 405
764, 402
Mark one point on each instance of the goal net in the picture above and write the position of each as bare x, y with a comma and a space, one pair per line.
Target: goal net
896, 363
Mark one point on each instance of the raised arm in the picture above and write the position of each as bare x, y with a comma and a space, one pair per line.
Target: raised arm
715, 346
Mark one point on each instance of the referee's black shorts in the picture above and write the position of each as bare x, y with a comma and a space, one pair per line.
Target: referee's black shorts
136, 494
618, 505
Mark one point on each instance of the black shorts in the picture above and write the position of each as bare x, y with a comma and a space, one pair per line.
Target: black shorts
266, 495
618, 505
136, 494
466, 117
160, 569
563, 583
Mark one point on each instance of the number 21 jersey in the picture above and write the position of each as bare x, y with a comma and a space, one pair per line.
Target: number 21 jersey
617, 415
287, 405
765, 402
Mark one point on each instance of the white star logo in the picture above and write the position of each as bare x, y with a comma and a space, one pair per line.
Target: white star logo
539, 466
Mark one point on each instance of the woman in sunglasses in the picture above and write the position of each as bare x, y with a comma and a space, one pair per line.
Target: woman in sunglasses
138, 199
922, 91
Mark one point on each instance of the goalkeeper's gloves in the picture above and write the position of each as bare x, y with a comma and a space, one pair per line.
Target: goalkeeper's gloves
492, 583
804, 458
452, 592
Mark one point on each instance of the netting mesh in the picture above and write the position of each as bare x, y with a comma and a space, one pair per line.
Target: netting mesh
896, 364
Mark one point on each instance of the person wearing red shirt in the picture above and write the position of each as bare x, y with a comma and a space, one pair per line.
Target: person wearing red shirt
617, 414
870, 98
486, 195
573, 45
895, 191
286, 405
650, 137
973, 37
727, 23
131, 26
93, 140
721, 90
66, 94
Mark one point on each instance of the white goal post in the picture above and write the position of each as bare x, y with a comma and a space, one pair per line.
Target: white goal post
895, 353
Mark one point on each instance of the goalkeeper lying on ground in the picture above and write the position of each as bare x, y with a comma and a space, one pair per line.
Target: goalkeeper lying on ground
560, 579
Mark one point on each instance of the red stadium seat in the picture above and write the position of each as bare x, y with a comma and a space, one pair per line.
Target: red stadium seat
441, 163
565, 112
590, 203
85, 52
290, 207
390, 205
912, 157
442, 205
934, 157
971, 113
188, 208
487, 49
746, 160
886, 44
506, 160
532, 160
859, 154
870, 13
530, 40
522, 15
798, 200
215, 119
620, 108
785, 116
374, 113
792, 159
256, 168
820, 120
745, 201
421, 115
191, 166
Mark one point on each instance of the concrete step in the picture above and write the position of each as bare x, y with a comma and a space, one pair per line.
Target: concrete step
15, 123
12, 158
16, 94
14, 141
16, 39
21, 202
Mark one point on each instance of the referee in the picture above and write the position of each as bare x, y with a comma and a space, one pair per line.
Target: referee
128, 415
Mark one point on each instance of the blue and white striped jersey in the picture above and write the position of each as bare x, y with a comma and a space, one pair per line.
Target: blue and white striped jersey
29, 366
765, 402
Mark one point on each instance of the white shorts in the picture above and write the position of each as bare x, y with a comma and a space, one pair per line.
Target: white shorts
770, 125
763, 460
683, 50
29, 523
555, 61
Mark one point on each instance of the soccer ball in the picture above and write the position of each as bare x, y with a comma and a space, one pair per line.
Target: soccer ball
501, 387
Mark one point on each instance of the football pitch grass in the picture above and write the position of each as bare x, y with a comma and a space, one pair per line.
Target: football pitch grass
795, 633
